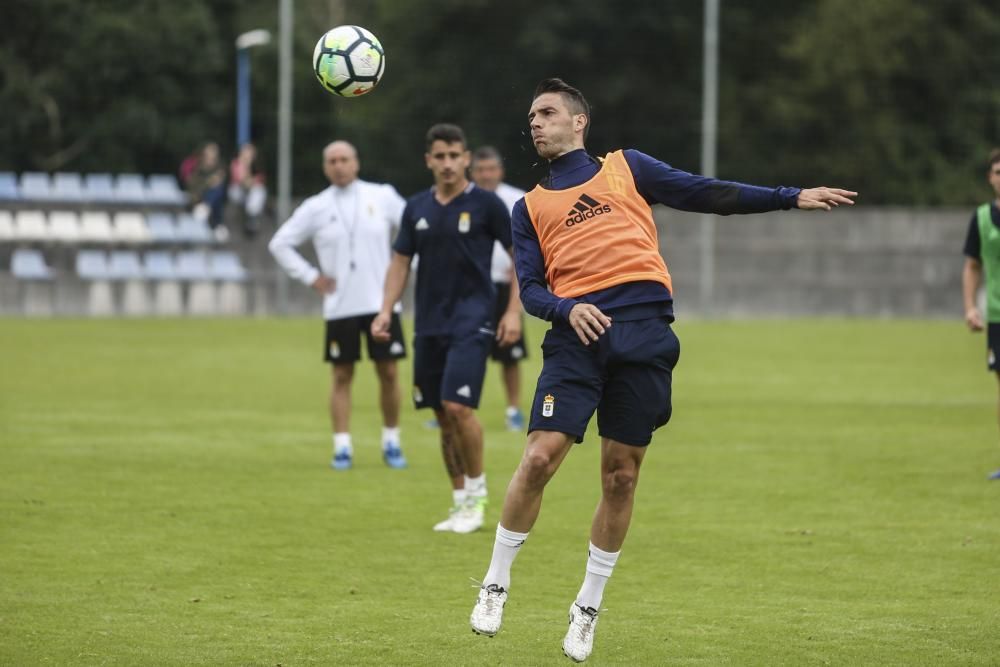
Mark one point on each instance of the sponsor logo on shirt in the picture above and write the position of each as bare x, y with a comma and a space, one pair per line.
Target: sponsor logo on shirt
464, 222
585, 208
421, 224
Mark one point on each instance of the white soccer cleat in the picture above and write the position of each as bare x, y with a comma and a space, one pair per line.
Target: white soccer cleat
579, 640
448, 525
488, 612
470, 517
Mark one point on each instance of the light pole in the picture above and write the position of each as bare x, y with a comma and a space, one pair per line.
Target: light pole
244, 43
709, 122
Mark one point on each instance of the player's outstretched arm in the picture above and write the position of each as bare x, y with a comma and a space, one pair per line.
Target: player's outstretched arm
825, 199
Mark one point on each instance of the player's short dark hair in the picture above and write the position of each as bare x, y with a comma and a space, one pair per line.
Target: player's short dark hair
486, 153
994, 158
575, 100
446, 132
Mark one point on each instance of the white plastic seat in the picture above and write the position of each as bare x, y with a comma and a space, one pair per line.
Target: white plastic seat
95, 227
64, 226
6, 226
130, 227
30, 226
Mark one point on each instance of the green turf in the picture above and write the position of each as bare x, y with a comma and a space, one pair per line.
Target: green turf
819, 498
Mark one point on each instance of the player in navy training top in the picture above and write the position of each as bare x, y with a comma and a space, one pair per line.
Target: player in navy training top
588, 259
452, 227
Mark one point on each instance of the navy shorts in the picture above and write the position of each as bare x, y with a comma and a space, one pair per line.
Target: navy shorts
343, 340
993, 346
517, 351
625, 376
449, 368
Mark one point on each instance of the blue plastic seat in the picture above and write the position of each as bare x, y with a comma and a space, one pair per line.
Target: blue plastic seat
130, 189
163, 189
67, 186
8, 186
192, 230
29, 264
161, 228
35, 185
98, 188
124, 265
92, 265
193, 265
226, 265
159, 265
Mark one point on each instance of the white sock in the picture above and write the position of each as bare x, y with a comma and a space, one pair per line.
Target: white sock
505, 548
476, 486
599, 567
342, 443
512, 410
390, 435
458, 496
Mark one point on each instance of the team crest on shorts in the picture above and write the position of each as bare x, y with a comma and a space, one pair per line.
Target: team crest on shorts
991, 358
464, 222
334, 349
548, 405
418, 397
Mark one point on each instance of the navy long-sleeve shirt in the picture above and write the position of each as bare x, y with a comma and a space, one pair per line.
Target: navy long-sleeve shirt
657, 182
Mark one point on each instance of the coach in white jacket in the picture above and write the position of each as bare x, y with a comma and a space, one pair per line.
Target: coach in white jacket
350, 224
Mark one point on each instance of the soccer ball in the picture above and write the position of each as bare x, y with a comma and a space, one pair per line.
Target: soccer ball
348, 61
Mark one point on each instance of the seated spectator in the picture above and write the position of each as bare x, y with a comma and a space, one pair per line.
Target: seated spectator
247, 187
206, 187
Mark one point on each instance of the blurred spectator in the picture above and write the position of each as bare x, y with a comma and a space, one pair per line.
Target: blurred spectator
247, 187
206, 187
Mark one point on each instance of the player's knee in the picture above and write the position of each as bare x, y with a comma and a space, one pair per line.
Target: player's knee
387, 373
538, 466
343, 374
456, 411
620, 483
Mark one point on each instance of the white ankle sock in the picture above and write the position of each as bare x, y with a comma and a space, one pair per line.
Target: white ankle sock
476, 486
599, 567
458, 496
505, 548
342, 443
390, 435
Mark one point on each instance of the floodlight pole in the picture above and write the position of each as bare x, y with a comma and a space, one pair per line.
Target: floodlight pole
244, 43
284, 203
709, 122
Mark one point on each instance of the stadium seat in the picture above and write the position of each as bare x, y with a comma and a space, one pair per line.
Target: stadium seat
98, 188
64, 226
130, 227
8, 186
158, 265
226, 266
193, 265
29, 264
67, 186
161, 228
35, 185
124, 265
163, 189
6, 226
190, 230
93, 265
130, 189
30, 226
95, 227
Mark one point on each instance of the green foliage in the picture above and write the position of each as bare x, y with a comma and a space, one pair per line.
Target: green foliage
166, 500
896, 100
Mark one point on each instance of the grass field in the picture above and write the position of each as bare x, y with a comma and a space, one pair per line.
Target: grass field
819, 498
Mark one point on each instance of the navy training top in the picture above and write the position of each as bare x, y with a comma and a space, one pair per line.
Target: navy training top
657, 182
454, 292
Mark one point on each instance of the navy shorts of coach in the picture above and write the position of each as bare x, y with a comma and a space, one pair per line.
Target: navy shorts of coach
450, 368
625, 376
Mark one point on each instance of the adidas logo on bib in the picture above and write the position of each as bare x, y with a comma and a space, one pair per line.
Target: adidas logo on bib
585, 208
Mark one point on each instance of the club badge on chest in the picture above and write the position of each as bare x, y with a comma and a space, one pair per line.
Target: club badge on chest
464, 222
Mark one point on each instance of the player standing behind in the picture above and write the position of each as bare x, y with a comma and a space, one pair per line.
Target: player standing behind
452, 226
982, 254
588, 235
487, 173
350, 224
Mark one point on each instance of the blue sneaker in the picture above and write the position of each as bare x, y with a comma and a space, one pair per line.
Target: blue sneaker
514, 420
393, 456
342, 460
995, 475
432, 423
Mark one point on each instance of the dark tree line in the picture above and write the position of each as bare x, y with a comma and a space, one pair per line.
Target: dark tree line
899, 100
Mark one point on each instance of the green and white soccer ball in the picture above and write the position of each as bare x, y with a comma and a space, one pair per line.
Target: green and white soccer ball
349, 61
